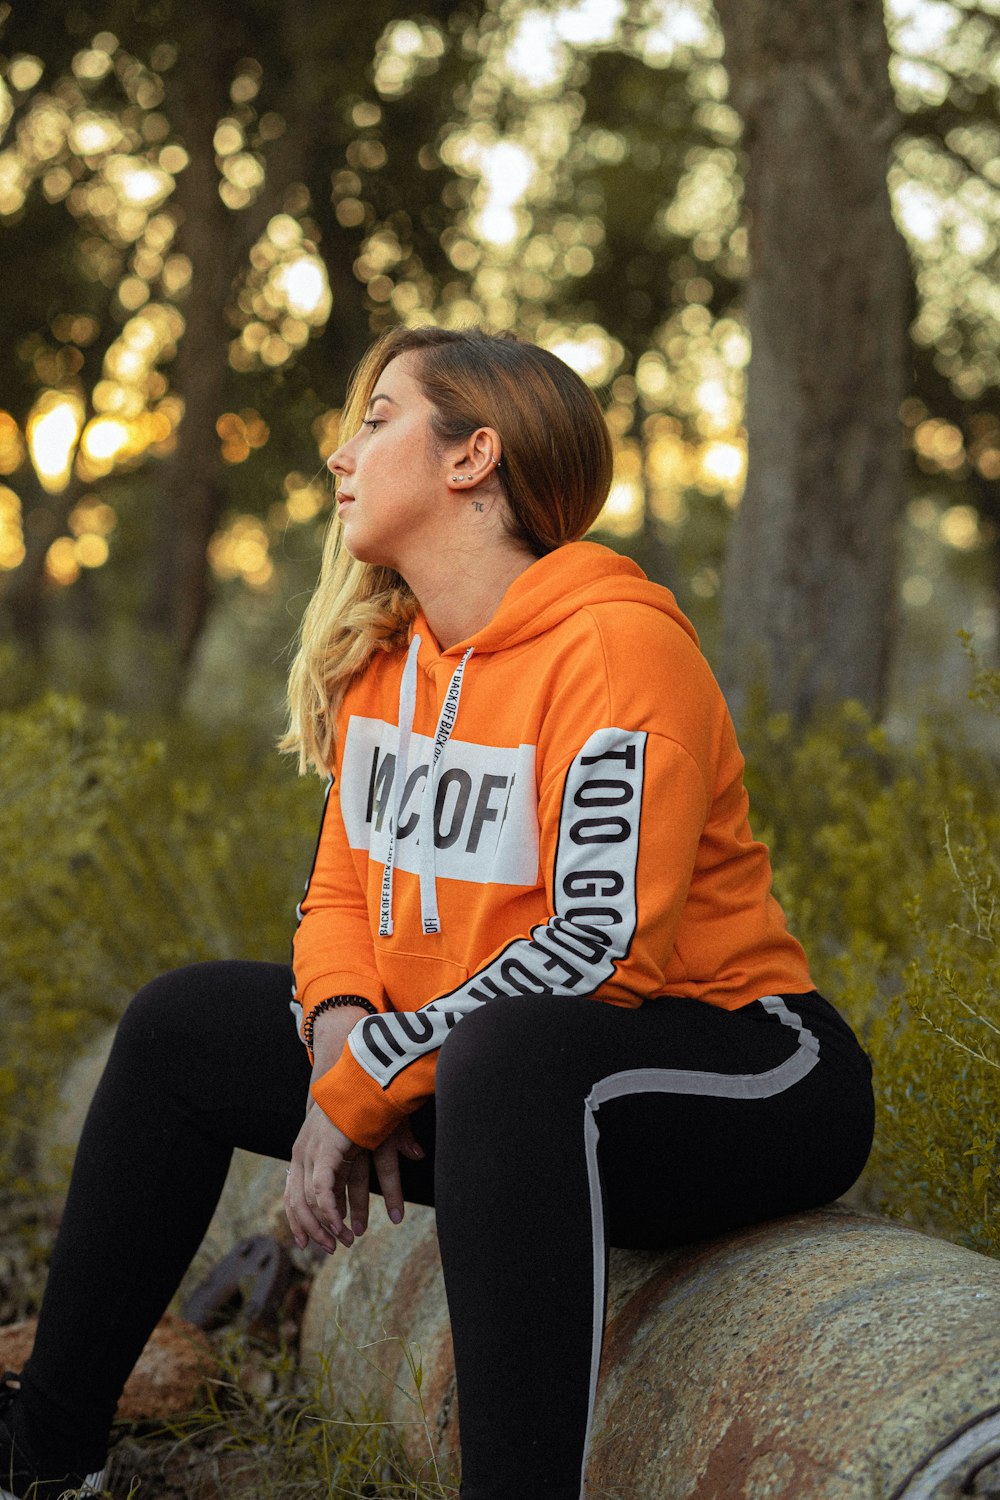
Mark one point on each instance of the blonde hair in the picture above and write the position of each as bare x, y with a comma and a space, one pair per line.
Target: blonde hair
555, 474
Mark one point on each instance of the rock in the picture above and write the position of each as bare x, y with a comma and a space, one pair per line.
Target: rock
831, 1355
168, 1380
252, 1203
378, 1315
75, 1093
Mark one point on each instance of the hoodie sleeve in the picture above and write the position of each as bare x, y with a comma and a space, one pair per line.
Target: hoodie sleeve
620, 825
332, 951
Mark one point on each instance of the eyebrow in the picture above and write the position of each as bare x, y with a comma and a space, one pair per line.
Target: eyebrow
379, 396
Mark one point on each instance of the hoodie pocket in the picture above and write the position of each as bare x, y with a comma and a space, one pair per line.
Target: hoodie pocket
411, 979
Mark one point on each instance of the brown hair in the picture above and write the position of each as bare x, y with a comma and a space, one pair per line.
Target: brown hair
555, 473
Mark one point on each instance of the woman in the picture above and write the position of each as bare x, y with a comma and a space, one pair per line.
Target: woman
539, 972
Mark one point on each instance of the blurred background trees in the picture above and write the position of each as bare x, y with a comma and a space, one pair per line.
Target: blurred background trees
809, 589
206, 215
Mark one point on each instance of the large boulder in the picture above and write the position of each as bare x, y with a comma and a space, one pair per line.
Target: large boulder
827, 1356
168, 1381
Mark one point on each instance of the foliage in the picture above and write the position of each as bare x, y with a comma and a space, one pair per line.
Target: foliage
122, 859
599, 138
887, 861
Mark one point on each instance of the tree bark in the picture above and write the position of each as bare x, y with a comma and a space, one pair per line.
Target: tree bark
217, 242
193, 488
23, 591
809, 583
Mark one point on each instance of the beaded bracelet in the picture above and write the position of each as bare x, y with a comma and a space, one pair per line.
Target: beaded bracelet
331, 1004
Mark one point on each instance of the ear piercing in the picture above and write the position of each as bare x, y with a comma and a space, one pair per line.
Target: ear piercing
464, 478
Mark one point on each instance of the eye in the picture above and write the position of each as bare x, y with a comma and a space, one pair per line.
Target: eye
374, 423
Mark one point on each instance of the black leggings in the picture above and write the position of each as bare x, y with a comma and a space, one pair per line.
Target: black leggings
559, 1126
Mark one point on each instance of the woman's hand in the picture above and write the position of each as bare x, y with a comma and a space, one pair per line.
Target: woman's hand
326, 1166
328, 1170
386, 1159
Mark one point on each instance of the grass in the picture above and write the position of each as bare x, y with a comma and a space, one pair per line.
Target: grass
268, 1431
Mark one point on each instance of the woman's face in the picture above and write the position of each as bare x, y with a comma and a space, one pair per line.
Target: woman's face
393, 492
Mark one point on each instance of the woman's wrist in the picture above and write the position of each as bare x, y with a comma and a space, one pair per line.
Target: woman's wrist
356, 1004
329, 1032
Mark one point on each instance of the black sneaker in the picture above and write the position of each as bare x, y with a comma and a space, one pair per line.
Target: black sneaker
19, 1476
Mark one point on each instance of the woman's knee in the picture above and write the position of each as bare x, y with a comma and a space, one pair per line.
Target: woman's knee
169, 1005
504, 1044
158, 1039
214, 1041
187, 1024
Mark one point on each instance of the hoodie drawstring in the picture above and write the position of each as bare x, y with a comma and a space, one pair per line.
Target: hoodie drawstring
428, 851
425, 823
407, 707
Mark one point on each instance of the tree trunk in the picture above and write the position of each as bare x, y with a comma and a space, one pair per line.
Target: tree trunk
809, 584
217, 242
193, 487
23, 591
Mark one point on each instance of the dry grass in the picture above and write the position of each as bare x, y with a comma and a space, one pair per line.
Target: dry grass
267, 1433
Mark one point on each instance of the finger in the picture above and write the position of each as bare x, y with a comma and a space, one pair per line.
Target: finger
340, 1187
302, 1221
320, 1198
352, 1167
357, 1184
387, 1167
291, 1212
407, 1142
316, 1230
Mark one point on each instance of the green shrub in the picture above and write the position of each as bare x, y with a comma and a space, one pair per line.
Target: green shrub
119, 860
886, 861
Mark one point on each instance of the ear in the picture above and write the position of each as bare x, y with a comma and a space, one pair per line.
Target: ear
475, 462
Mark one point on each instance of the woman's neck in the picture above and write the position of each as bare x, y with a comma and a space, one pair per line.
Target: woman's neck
461, 594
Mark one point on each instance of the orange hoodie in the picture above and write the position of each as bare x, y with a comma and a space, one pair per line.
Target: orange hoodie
578, 766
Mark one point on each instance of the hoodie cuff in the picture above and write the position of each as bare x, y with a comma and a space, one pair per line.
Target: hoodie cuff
337, 982
355, 1103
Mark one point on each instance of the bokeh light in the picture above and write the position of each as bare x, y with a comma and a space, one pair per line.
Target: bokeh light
54, 427
524, 224
241, 433
285, 298
12, 550
61, 565
12, 449
406, 51
241, 550
104, 438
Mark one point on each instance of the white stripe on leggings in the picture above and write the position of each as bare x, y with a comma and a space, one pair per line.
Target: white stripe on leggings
675, 1081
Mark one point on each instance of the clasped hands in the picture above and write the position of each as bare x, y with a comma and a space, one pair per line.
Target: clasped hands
327, 1190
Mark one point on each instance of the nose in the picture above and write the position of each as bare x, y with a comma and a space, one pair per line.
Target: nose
339, 461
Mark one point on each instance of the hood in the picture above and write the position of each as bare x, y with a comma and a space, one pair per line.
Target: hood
553, 588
